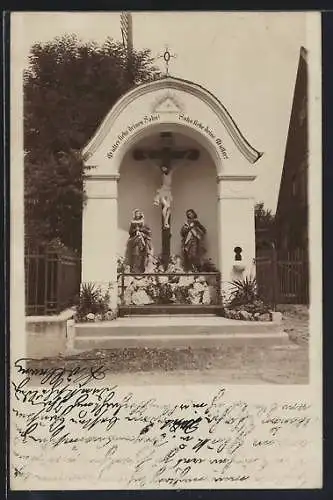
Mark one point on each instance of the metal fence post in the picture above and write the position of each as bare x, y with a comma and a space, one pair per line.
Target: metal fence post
58, 272
46, 282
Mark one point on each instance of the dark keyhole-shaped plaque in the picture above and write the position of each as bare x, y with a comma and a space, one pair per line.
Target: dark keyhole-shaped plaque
238, 253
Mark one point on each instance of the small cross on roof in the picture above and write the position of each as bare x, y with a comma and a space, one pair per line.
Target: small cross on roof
166, 56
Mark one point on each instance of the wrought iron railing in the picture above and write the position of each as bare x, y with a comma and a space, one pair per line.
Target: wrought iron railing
190, 289
52, 280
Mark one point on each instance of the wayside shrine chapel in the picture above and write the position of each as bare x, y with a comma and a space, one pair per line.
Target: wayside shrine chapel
166, 148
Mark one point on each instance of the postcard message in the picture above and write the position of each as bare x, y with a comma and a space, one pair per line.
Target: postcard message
74, 425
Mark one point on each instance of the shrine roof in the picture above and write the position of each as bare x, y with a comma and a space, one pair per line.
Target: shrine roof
202, 92
204, 89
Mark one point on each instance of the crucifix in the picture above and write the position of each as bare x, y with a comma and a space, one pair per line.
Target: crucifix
166, 155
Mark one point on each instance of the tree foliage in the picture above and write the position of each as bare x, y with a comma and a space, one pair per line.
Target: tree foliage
69, 87
264, 218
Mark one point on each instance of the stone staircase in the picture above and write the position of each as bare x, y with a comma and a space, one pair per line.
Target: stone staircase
181, 331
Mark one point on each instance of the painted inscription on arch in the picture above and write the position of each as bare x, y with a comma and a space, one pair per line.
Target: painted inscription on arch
154, 118
207, 131
132, 127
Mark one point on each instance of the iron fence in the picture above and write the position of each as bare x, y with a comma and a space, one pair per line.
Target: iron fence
52, 283
283, 277
52, 280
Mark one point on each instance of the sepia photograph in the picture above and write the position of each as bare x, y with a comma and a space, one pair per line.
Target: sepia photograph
165, 235
166, 203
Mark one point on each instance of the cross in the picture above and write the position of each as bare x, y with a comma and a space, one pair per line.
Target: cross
167, 56
166, 155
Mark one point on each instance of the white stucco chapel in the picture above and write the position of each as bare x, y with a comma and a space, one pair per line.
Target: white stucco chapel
216, 182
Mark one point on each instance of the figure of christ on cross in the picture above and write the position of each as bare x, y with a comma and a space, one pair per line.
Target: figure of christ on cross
163, 198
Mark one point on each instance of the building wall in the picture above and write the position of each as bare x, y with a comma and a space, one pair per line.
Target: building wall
291, 227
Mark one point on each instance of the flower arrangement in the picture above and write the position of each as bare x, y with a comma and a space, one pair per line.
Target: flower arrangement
166, 286
159, 289
175, 265
94, 304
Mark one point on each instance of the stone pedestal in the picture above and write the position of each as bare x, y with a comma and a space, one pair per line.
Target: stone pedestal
99, 232
236, 227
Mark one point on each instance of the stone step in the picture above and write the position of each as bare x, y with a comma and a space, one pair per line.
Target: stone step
172, 326
174, 309
165, 341
170, 330
168, 315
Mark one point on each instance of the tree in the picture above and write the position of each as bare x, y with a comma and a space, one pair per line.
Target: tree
69, 87
264, 219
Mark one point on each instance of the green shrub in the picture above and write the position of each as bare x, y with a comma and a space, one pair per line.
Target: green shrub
93, 301
243, 291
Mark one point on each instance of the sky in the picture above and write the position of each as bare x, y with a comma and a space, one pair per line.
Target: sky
248, 60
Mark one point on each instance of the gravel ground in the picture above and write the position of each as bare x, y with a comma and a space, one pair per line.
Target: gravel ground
296, 322
287, 364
